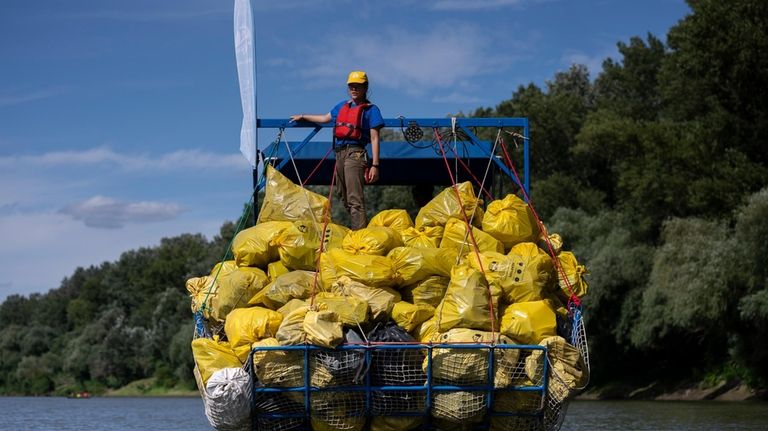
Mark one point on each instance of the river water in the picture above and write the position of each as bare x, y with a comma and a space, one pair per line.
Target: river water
186, 414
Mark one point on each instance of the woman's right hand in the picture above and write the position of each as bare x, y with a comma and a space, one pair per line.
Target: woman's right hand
297, 117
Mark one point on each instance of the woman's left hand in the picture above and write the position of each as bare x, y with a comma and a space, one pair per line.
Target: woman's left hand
372, 174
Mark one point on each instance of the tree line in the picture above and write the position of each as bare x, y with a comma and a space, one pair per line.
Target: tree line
655, 173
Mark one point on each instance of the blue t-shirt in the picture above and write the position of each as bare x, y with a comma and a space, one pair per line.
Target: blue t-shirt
372, 119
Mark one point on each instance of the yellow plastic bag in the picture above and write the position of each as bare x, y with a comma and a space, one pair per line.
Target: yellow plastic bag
408, 316
291, 330
251, 247
555, 241
395, 423
510, 221
286, 201
466, 301
245, 326
278, 368
567, 371
298, 245
529, 322
350, 310
574, 273
291, 305
235, 289
381, 300
416, 264
470, 366
520, 402
396, 219
202, 290
226, 267
335, 411
426, 332
446, 205
520, 280
425, 236
537, 275
459, 408
276, 269
212, 355
377, 240
292, 285
496, 266
374, 271
456, 237
429, 291
323, 328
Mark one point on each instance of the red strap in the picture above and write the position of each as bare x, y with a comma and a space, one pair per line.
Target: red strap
469, 228
573, 299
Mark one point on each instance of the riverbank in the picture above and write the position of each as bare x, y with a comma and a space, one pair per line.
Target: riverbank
725, 390
149, 388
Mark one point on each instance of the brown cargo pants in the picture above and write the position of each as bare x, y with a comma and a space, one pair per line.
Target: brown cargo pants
351, 162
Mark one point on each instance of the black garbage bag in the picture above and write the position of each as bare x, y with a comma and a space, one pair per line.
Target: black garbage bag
400, 366
396, 366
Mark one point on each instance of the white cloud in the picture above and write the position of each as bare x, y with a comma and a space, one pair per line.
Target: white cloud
104, 212
18, 99
445, 56
182, 159
40, 249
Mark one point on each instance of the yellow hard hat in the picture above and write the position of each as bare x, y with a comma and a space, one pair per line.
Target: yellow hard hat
357, 77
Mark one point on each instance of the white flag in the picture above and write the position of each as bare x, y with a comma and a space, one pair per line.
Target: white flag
244, 54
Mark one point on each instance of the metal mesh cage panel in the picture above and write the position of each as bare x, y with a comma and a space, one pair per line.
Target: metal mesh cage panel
389, 386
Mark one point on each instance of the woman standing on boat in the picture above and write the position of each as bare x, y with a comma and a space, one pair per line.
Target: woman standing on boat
356, 122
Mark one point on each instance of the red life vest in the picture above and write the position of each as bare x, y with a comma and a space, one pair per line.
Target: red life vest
349, 122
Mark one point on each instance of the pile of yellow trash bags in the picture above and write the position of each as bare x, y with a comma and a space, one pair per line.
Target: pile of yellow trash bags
458, 274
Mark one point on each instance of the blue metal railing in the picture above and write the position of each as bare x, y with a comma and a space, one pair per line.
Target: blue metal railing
462, 124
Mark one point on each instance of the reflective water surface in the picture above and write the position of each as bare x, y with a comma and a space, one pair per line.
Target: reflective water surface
666, 415
187, 414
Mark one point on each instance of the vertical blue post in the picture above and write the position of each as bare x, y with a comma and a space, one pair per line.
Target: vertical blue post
307, 405
544, 383
489, 401
428, 400
368, 366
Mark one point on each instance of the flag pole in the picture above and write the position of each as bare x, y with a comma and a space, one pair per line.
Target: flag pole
245, 55
255, 120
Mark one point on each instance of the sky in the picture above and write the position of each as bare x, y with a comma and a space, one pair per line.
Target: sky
120, 120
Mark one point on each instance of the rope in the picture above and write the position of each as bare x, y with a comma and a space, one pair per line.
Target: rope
311, 174
573, 299
281, 134
327, 219
471, 234
200, 329
469, 172
243, 217
485, 176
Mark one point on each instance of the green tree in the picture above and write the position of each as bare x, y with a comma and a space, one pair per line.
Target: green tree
686, 305
717, 71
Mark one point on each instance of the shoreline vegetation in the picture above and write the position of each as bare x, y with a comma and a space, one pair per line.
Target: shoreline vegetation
722, 391
725, 391
654, 172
